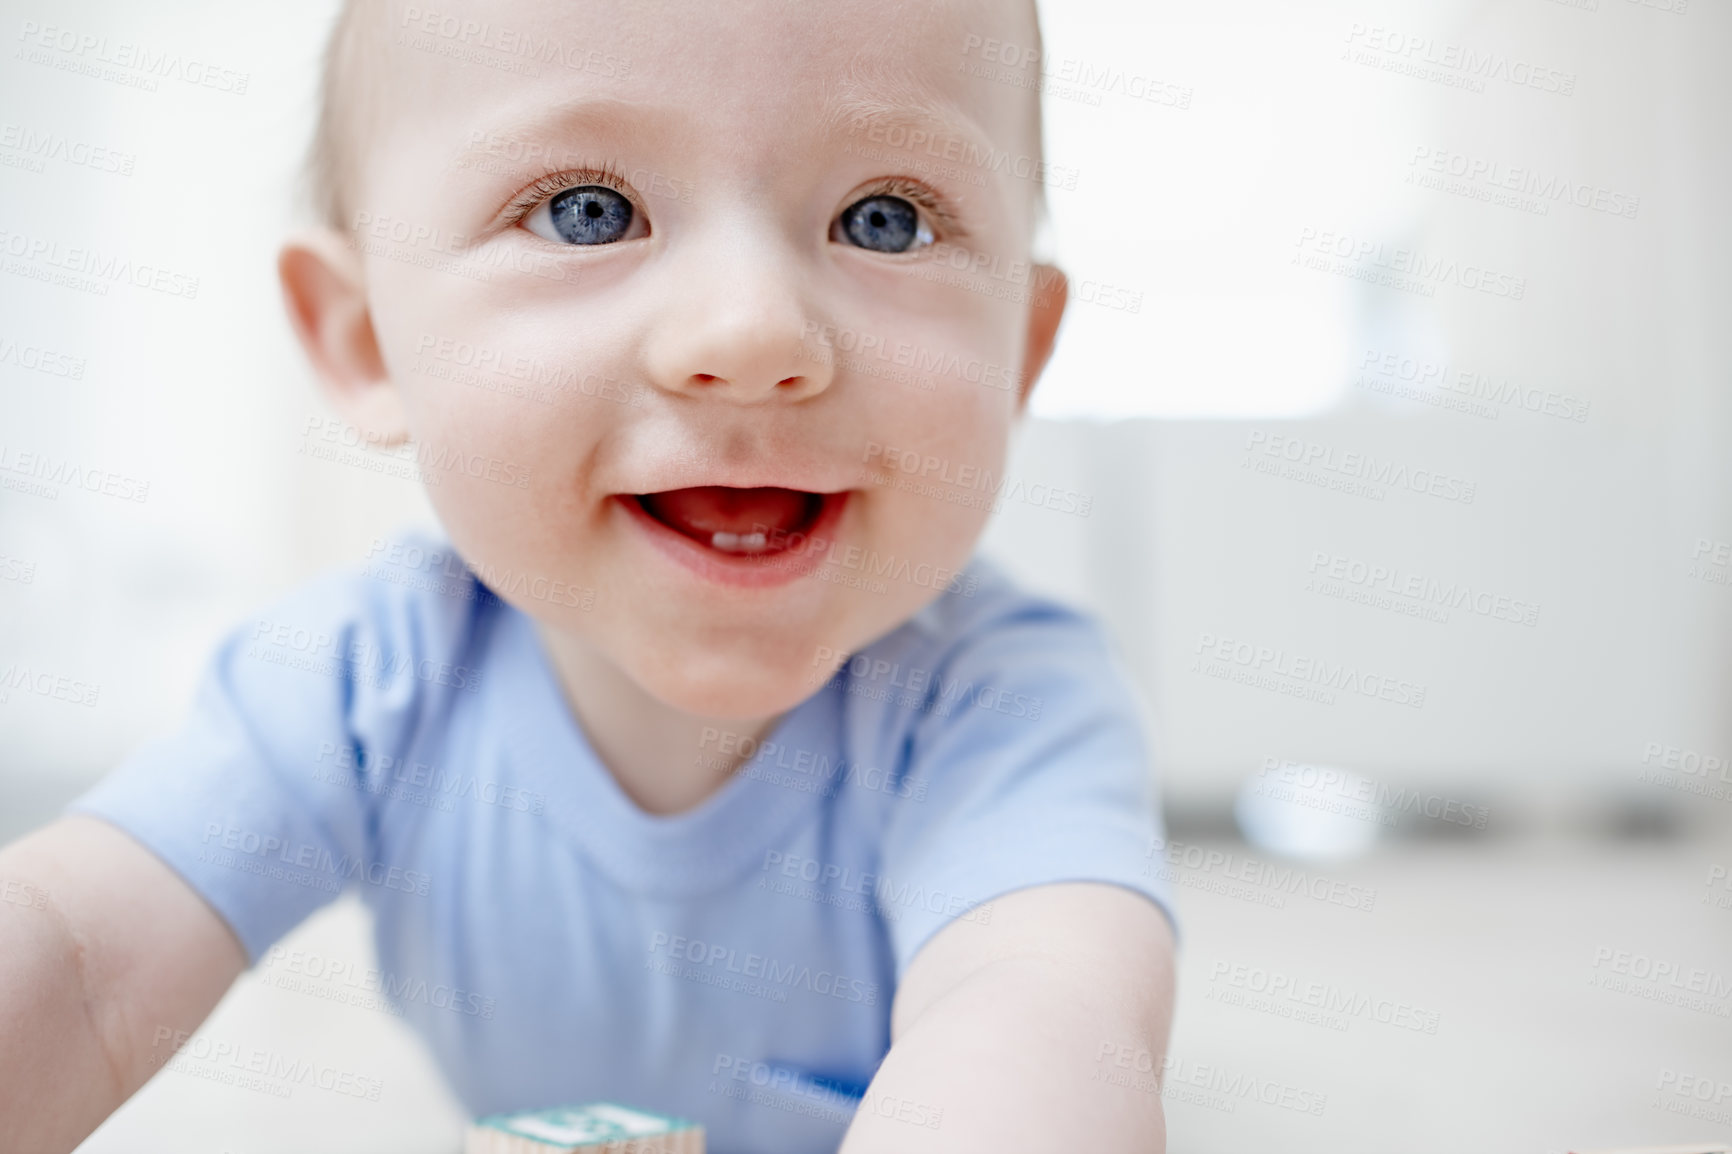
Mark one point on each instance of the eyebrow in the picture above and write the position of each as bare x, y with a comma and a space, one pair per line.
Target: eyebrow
549, 127
900, 104
906, 104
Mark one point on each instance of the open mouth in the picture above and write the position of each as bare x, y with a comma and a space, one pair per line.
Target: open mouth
740, 522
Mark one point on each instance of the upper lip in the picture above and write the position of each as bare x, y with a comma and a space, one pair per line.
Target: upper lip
803, 480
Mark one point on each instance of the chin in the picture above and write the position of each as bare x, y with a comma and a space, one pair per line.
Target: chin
733, 687
737, 698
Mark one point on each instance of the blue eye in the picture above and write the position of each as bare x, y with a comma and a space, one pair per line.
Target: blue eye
592, 214
884, 224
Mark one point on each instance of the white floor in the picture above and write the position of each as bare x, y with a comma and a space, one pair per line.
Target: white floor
1478, 959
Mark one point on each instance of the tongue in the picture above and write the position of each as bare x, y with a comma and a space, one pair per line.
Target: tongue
702, 512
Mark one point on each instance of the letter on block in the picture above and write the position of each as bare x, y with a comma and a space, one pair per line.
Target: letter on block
598, 1128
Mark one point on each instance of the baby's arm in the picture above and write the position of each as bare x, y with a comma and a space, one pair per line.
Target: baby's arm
1002, 1026
105, 954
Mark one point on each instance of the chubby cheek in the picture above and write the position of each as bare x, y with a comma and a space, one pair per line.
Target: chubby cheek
932, 469
504, 423
505, 499
939, 369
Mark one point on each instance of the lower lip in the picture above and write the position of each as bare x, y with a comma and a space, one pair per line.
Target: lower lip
745, 570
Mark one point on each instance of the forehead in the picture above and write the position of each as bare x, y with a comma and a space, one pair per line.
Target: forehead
756, 74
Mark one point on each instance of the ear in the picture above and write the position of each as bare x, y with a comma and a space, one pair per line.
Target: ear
326, 298
1045, 310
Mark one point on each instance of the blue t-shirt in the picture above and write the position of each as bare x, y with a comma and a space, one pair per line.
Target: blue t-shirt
399, 731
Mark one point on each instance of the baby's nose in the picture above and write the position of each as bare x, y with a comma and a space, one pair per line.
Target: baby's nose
734, 329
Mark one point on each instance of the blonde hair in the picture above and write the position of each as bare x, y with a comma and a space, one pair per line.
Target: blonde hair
347, 97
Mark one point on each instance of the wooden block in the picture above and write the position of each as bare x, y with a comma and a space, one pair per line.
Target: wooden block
598, 1128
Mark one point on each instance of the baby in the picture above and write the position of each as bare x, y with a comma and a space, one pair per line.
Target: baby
697, 767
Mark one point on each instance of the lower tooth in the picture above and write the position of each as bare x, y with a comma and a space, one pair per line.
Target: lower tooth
738, 542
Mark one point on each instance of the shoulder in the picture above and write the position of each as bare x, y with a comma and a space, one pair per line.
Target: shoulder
986, 596
988, 627
415, 590
271, 776
1024, 758
410, 588
371, 641
977, 684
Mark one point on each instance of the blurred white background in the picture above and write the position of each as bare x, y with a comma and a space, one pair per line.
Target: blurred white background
1279, 128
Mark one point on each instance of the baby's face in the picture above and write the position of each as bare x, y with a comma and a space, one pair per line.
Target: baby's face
679, 317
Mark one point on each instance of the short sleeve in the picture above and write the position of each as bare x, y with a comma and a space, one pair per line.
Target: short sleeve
263, 800
1034, 771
